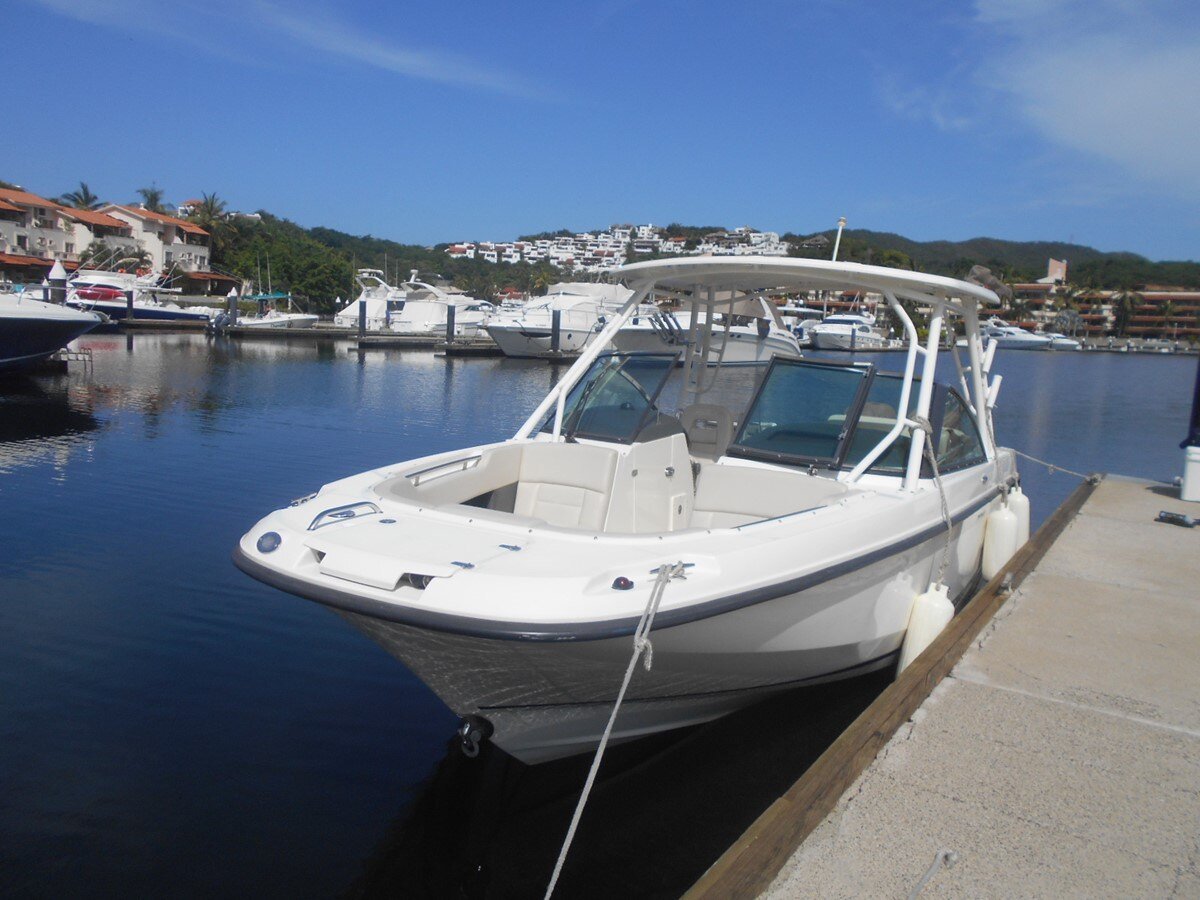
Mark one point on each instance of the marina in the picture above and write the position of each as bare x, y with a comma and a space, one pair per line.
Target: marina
193, 686
448, 452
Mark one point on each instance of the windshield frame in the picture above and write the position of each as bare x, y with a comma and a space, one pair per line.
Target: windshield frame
573, 413
835, 462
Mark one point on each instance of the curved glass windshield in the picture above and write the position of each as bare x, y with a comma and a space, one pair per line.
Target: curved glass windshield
803, 413
616, 398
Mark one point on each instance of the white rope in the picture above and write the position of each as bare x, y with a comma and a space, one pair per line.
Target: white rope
924, 426
945, 858
641, 644
1053, 468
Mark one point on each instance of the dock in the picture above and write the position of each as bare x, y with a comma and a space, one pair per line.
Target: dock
1046, 744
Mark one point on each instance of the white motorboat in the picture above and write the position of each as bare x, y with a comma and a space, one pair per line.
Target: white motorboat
848, 331
380, 298
1060, 341
107, 292
511, 577
800, 319
751, 334
1010, 337
578, 308
427, 308
32, 330
274, 318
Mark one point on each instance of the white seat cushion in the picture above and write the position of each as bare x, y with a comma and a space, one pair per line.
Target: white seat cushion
727, 496
566, 484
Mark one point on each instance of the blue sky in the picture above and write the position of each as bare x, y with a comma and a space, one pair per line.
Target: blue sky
1023, 119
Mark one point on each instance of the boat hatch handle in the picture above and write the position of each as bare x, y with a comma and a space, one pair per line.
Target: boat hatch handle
342, 513
462, 565
512, 547
300, 501
443, 469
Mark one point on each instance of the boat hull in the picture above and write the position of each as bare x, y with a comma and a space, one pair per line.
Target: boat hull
550, 699
25, 342
833, 340
526, 342
120, 310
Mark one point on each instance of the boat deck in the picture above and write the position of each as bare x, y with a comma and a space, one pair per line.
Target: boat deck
1059, 757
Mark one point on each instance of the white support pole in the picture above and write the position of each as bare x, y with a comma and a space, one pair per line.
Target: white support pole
917, 446
601, 341
914, 347
978, 388
838, 241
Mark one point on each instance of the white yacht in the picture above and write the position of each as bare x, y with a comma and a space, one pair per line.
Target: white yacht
848, 331
749, 333
800, 319
106, 292
380, 298
797, 502
1011, 337
1059, 341
579, 308
426, 310
32, 330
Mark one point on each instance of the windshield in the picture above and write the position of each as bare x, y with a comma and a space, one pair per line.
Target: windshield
615, 399
802, 413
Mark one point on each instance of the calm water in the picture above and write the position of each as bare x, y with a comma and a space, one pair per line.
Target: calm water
169, 725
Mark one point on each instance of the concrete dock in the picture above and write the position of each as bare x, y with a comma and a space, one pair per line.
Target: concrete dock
1059, 757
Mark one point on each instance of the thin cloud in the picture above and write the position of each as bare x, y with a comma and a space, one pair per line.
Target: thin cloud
1111, 79
338, 40
205, 25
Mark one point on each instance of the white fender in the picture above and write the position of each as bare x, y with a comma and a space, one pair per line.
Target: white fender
929, 615
1018, 502
999, 540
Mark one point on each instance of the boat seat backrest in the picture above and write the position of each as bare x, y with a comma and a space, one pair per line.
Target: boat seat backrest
709, 429
567, 485
727, 496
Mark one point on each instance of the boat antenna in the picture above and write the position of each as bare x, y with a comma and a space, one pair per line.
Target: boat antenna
838, 241
269, 288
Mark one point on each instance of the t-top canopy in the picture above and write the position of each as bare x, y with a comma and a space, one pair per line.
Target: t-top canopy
773, 273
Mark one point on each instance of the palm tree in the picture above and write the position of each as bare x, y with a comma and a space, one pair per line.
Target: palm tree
1123, 304
83, 198
1167, 310
152, 198
210, 213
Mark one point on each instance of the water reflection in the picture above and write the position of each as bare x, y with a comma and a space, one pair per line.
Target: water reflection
42, 421
661, 812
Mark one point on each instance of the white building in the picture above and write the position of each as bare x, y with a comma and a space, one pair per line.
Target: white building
172, 243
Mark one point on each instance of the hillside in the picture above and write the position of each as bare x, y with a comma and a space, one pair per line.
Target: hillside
319, 263
1012, 260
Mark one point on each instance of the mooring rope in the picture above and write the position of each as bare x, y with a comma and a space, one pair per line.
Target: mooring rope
926, 428
945, 858
1055, 468
641, 643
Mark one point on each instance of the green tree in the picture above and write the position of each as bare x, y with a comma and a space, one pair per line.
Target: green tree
1167, 310
210, 215
152, 198
81, 198
1124, 302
